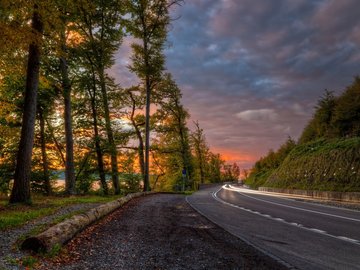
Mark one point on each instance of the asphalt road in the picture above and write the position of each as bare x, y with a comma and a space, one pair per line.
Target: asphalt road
299, 234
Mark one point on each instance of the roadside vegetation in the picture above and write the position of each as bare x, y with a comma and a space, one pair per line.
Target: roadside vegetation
327, 155
15, 215
62, 111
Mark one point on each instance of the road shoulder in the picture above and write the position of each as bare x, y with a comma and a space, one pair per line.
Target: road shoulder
158, 232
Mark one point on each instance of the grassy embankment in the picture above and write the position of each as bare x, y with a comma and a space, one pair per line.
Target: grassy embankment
12, 216
329, 165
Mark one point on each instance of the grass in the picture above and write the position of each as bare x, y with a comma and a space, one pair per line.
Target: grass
29, 261
12, 216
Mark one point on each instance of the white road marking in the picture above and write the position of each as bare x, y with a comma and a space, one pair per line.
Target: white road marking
292, 207
348, 239
317, 230
300, 226
193, 205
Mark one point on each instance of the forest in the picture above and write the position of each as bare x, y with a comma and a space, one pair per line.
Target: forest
327, 154
61, 113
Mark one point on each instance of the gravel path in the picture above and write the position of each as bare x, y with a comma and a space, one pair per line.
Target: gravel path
158, 232
9, 252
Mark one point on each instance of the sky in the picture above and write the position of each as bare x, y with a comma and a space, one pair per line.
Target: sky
251, 72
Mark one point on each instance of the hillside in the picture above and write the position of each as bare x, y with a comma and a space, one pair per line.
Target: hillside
327, 155
320, 165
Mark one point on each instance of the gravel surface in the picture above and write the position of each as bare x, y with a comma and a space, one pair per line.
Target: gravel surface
157, 232
9, 252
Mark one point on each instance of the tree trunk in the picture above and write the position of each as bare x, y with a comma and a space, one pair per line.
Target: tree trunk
147, 136
21, 188
45, 162
185, 152
201, 166
141, 155
147, 116
58, 146
139, 135
69, 165
112, 146
98, 149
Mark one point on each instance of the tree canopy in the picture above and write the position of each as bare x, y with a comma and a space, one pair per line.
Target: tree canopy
63, 116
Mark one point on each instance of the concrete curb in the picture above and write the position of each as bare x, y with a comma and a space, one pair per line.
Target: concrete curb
61, 233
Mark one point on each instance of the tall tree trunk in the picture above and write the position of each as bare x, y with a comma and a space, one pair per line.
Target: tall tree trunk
45, 162
147, 114
21, 188
66, 85
98, 149
111, 141
201, 164
139, 136
147, 135
184, 154
185, 149
58, 146
202, 175
200, 147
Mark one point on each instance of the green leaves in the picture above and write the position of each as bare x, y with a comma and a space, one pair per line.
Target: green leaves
335, 117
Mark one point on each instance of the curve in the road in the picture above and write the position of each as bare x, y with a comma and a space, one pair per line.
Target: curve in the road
265, 252
288, 206
343, 238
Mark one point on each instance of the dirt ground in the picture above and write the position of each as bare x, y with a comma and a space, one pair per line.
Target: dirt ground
157, 232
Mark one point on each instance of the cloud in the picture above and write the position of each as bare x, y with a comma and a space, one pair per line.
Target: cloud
251, 72
258, 115
120, 70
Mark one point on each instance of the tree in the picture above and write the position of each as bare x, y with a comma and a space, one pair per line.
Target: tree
174, 136
346, 117
21, 189
148, 22
231, 172
11, 104
101, 25
136, 103
46, 97
201, 150
320, 125
215, 164
269, 163
66, 88
91, 89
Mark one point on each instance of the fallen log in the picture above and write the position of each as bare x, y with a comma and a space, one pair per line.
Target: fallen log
61, 233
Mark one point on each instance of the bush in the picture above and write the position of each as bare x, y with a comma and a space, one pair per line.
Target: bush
84, 182
131, 182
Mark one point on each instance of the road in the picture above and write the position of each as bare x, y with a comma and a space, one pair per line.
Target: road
301, 235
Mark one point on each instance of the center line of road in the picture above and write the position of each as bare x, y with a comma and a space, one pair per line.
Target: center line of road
343, 238
292, 207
